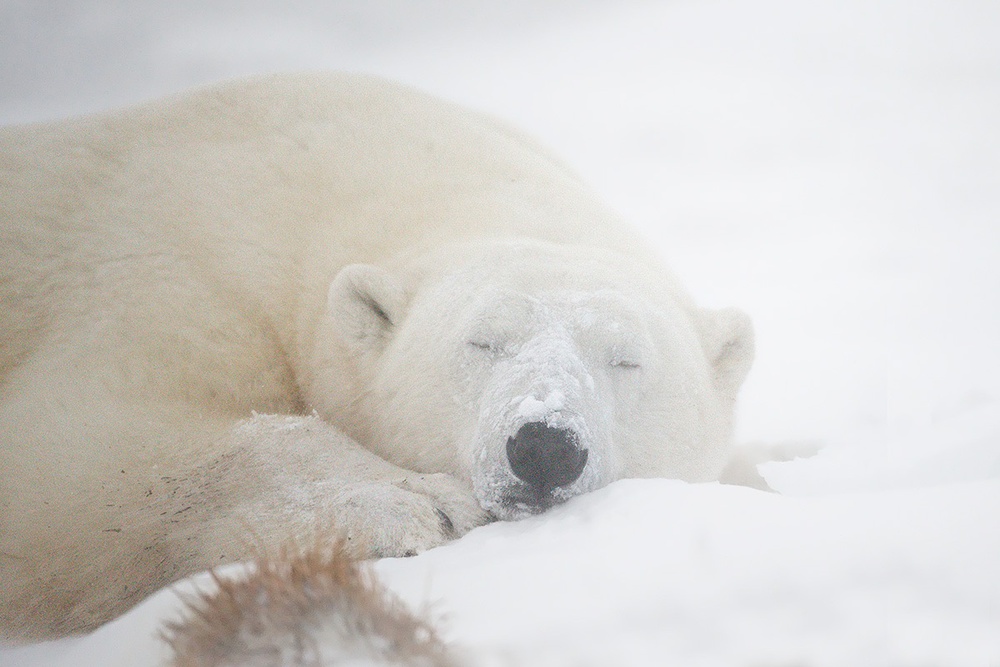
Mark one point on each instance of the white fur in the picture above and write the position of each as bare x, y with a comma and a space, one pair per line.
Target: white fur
183, 283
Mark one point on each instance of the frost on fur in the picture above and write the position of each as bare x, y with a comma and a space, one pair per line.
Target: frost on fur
304, 607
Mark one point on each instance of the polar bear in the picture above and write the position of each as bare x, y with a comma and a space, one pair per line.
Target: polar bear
269, 307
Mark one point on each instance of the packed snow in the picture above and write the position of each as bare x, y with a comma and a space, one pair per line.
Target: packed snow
831, 167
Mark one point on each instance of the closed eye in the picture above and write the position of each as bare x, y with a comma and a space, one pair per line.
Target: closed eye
480, 345
626, 364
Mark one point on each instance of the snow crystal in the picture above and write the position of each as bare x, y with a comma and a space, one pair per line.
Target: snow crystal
531, 409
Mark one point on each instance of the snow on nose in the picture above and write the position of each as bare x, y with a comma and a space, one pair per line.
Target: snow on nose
551, 374
532, 409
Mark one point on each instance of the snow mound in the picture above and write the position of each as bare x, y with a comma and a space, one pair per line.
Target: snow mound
649, 572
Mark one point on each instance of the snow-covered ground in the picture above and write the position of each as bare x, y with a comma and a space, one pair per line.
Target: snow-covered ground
832, 167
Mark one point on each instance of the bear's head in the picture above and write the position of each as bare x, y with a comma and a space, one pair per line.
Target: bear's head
536, 371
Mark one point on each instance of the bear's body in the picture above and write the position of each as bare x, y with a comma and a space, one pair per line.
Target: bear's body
252, 311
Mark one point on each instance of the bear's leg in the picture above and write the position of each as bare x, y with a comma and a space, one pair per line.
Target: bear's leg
81, 542
296, 477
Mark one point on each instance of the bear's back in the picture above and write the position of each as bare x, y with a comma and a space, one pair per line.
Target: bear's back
256, 192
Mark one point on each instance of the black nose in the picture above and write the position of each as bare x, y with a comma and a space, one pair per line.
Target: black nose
546, 457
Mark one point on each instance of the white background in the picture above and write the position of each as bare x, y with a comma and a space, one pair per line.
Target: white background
832, 167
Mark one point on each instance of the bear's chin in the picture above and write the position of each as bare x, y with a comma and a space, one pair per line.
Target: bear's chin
515, 500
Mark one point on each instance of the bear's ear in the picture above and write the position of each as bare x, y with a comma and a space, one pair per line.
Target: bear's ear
728, 341
365, 303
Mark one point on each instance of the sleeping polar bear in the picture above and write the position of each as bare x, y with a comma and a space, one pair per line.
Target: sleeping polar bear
270, 307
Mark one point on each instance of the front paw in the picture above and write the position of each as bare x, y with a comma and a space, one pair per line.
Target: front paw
406, 516
460, 512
